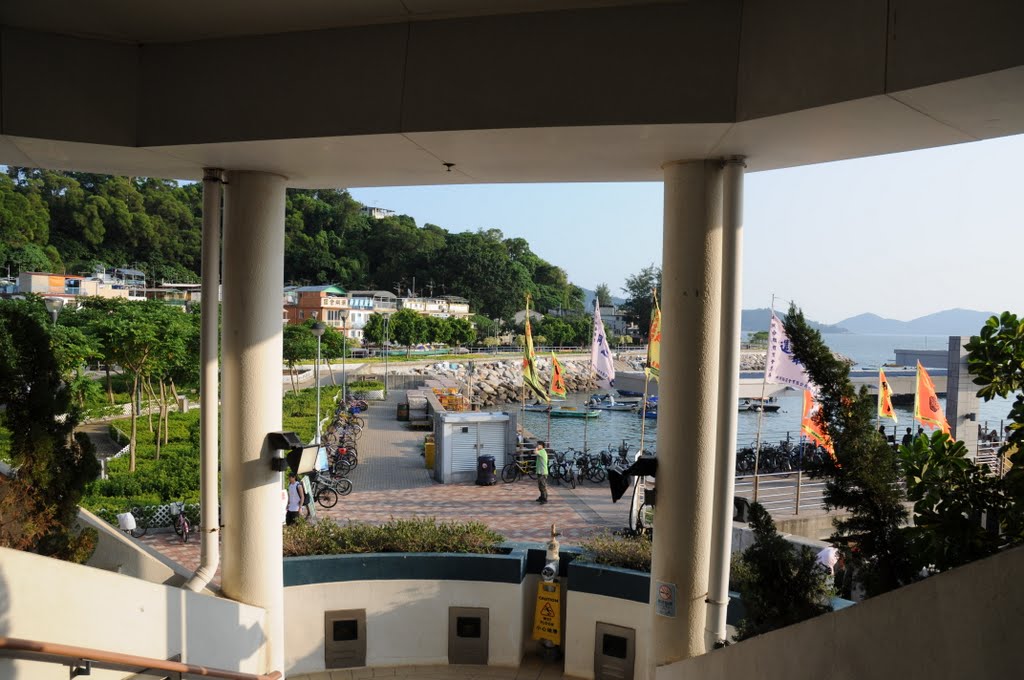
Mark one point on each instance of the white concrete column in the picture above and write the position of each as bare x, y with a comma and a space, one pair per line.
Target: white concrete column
251, 403
728, 397
688, 408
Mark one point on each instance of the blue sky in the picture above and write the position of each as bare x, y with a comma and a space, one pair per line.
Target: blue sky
901, 235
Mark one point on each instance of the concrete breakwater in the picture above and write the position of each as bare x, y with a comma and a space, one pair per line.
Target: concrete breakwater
501, 382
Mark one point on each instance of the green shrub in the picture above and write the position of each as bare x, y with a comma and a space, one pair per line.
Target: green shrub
5, 444
365, 385
618, 551
398, 535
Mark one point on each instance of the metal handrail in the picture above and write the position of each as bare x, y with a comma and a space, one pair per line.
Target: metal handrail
127, 661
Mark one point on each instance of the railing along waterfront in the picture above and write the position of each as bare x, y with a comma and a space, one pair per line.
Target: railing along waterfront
81, 659
783, 493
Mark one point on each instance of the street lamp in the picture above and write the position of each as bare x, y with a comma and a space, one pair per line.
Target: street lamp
318, 330
387, 350
343, 315
54, 305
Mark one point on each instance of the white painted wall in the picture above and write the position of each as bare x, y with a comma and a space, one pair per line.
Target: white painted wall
406, 620
584, 612
53, 601
964, 623
118, 552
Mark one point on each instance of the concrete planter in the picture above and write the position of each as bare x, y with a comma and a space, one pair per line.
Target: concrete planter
369, 395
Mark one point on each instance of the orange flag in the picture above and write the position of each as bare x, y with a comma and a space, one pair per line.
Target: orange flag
885, 409
810, 427
927, 409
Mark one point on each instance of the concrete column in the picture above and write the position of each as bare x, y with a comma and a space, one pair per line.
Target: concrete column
962, 397
688, 405
728, 397
251, 404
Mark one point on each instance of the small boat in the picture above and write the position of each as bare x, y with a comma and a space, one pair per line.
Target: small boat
651, 412
537, 407
608, 397
630, 393
573, 412
768, 404
607, 402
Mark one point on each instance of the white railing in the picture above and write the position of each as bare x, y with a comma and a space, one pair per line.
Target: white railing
783, 493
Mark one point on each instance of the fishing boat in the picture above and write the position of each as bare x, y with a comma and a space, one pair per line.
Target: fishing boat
608, 396
767, 404
537, 407
573, 412
607, 402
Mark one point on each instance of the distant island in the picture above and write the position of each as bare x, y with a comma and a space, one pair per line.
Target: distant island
947, 322
759, 319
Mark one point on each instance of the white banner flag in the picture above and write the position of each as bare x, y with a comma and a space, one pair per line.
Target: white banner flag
601, 354
781, 368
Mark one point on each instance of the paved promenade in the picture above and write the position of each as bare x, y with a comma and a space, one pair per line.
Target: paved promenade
392, 481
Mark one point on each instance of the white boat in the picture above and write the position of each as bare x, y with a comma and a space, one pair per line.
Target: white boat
607, 402
768, 404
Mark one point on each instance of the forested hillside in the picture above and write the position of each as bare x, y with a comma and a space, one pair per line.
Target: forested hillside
71, 221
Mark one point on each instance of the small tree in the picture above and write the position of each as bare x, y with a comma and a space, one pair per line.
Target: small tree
407, 328
298, 344
865, 479
603, 295
373, 331
781, 584
460, 331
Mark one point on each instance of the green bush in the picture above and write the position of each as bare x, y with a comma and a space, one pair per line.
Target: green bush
398, 535
5, 444
618, 551
365, 385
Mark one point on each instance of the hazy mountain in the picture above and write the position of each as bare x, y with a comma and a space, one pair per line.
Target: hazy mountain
758, 320
947, 322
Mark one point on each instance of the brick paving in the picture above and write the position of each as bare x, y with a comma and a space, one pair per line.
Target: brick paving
392, 481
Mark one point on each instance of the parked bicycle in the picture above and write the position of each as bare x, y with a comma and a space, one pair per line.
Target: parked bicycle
518, 467
181, 523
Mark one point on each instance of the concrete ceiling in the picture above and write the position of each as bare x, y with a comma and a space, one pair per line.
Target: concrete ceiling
601, 91
160, 21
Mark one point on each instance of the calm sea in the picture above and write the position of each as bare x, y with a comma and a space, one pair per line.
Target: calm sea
868, 351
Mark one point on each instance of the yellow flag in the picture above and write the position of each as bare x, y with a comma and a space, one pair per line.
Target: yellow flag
531, 377
885, 409
654, 342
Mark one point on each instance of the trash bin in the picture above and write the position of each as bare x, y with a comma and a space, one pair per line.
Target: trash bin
485, 475
403, 412
429, 449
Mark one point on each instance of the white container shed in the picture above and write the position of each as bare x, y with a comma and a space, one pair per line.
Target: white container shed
462, 437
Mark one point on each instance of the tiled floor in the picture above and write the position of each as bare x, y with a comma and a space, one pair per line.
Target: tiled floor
391, 481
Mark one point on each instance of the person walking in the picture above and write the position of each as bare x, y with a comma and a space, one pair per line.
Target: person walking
542, 472
296, 499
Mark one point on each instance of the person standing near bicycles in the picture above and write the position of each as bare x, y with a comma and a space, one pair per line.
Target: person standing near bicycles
296, 499
542, 472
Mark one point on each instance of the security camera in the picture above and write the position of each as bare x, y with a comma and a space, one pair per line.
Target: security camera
550, 571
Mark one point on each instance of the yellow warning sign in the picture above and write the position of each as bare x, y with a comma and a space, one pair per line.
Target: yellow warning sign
547, 621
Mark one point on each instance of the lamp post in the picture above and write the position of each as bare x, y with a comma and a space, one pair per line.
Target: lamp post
387, 348
54, 305
318, 330
343, 314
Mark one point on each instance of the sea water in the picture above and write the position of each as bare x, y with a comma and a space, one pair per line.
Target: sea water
867, 351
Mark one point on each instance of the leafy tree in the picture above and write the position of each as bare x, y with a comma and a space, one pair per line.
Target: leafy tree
373, 331
436, 330
38, 506
865, 480
298, 344
604, 295
72, 348
333, 345
407, 328
639, 303
781, 583
759, 338
485, 327
950, 492
996, 359
460, 331
557, 331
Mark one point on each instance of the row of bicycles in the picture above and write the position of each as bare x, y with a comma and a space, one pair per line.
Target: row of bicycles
783, 457
340, 439
569, 467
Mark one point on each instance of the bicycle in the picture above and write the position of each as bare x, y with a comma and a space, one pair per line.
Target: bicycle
181, 523
519, 466
139, 524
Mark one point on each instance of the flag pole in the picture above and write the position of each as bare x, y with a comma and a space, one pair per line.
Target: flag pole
760, 412
643, 413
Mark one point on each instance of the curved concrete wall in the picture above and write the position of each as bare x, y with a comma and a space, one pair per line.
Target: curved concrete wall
54, 601
964, 623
